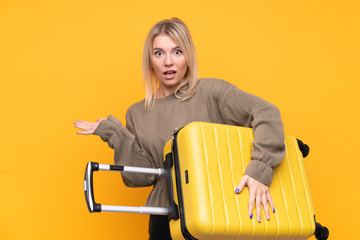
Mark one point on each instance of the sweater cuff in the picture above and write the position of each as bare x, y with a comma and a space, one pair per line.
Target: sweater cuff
260, 171
107, 128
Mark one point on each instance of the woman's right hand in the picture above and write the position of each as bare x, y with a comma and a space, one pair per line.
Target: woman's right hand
87, 127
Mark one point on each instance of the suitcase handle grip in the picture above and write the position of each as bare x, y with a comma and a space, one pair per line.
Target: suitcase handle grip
96, 207
88, 187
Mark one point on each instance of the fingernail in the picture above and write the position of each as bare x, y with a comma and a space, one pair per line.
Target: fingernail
259, 219
251, 215
268, 218
274, 210
237, 191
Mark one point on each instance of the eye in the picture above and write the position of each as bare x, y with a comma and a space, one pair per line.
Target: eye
178, 52
158, 53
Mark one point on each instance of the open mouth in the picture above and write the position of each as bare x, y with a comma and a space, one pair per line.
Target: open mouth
169, 74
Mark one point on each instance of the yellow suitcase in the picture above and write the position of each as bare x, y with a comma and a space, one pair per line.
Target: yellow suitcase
209, 161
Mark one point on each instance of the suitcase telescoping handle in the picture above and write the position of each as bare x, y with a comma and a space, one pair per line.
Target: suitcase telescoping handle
96, 207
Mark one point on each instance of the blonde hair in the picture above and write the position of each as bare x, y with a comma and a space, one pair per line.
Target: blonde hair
178, 31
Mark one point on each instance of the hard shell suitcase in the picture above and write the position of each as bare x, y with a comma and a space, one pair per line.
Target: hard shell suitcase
209, 161
203, 164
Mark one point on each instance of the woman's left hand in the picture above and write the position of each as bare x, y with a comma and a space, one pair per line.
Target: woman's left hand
259, 195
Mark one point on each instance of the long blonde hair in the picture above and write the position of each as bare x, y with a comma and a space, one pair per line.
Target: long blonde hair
178, 31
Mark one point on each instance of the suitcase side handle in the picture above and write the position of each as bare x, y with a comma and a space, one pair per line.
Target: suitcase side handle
96, 207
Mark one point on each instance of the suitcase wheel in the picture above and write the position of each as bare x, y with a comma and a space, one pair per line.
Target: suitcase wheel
322, 233
303, 148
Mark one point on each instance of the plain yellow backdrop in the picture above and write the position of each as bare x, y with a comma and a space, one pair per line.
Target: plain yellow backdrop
62, 61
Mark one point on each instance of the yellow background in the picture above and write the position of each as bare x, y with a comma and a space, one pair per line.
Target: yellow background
62, 61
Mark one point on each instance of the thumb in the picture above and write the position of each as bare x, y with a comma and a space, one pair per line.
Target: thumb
242, 184
100, 119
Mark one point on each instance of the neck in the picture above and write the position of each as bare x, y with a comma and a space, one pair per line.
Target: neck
161, 92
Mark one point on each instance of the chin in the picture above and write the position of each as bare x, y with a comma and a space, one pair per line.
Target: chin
171, 83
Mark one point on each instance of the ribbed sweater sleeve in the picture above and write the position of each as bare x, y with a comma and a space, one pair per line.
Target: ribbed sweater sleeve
128, 151
268, 149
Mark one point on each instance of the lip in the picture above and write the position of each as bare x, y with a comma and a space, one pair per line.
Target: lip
169, 76
169, 71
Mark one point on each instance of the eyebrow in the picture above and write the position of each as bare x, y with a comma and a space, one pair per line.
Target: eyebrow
162, 49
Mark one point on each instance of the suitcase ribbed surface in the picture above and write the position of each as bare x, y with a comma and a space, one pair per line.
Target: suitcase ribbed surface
215, 157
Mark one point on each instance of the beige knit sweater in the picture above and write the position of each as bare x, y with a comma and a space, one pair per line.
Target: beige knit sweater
141, 143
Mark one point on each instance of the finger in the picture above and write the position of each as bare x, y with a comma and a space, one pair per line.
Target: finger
251, 204
83, 127
89, 132
242, 184
78, 123
265, 205
84, 122
258, 207
269, 199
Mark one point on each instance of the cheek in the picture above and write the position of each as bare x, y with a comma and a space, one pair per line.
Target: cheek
154, 65
183, 65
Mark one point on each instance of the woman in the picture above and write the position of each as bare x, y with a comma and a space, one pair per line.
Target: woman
175, 97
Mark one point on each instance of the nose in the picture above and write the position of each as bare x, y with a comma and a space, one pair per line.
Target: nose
168, 61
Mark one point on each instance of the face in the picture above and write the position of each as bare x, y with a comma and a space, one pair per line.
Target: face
168, 62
